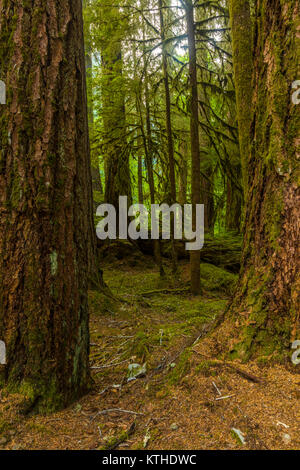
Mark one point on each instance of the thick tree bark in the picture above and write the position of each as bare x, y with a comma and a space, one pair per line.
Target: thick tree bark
45, 202
195, 144
268, 293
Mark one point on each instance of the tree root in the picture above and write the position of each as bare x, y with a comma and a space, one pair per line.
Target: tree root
165, 291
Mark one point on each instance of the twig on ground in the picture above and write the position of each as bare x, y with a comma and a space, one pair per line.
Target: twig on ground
217, 389
111, 387
224, 398
115, 410
106, 366
165, 291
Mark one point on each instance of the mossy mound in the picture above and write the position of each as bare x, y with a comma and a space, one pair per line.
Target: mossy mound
215, 279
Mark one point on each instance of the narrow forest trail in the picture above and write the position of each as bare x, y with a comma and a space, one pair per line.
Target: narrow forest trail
185, 400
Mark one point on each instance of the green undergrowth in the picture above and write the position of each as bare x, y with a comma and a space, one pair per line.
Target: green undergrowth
138, 282
144, 328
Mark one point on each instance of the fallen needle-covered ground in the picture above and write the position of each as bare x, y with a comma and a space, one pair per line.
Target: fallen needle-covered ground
157, 385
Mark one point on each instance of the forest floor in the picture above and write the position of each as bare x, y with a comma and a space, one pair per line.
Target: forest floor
183, 398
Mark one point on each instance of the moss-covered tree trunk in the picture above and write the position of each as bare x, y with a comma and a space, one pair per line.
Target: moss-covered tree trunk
46, 241
207, 164
150, 171
116, 153
267, 299
233, 206
195, 144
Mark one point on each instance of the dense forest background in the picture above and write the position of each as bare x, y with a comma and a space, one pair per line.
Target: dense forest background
140, 104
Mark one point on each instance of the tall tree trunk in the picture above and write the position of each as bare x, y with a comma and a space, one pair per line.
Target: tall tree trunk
140, 129
147, 140
195, 144
169, 131
241, 31
206, 157
117, 177
149, 163
269, 285
45, 202
96, 178
95, 167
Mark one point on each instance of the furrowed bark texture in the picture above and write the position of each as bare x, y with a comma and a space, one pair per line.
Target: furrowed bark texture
267, 298
45, 202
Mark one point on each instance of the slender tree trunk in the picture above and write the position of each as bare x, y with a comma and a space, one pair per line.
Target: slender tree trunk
147, 139
140, 174
96, 178
140, 130
45, 203
269, 285
195, 144
149, 163
207, 165
183, 174
207, 197
169, 131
